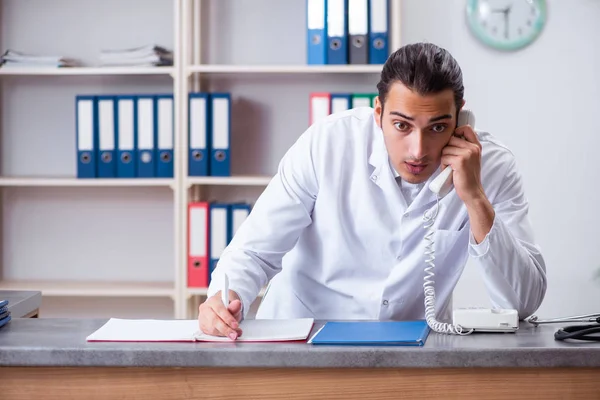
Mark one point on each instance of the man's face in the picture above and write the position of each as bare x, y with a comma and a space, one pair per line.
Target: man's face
415, 129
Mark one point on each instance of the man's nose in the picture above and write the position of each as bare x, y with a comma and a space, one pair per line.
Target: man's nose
418, 148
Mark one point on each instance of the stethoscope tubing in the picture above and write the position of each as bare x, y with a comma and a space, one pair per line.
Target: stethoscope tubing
576, 318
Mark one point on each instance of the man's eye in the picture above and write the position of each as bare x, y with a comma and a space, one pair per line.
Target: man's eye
401, 126
438, 128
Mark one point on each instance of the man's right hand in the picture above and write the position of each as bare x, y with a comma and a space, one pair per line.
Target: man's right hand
217, 320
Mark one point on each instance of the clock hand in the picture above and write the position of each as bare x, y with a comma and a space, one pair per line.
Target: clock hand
504, 12
506, 20
506, 25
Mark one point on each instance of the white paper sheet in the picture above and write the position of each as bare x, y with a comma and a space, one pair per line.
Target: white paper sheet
151, 330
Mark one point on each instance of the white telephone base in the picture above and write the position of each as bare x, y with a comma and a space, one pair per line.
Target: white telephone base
486, 320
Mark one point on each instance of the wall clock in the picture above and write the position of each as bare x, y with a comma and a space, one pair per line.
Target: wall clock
506, 24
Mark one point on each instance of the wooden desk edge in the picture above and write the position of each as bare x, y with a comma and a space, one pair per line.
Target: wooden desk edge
321, 383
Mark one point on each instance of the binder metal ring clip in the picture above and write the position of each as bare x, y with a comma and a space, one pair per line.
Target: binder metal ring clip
358, 42
126, 158
86, 158
165, 156
336, 44
146, 157
220, 155
316, 39
197, 155
197, 264
106, 157
378, 44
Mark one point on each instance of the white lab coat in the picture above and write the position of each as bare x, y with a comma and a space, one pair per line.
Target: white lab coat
335, 239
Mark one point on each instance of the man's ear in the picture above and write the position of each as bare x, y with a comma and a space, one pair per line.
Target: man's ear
378, 111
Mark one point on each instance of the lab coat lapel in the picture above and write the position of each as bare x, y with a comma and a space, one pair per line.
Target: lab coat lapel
426, 198
382, 175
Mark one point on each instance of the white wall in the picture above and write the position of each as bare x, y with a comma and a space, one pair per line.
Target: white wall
541, 102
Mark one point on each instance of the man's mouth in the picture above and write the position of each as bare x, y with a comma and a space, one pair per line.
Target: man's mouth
415, 168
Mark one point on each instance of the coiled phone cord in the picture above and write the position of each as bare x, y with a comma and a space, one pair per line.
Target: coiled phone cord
429, 217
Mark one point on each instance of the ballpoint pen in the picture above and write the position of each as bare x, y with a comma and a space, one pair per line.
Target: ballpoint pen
225, 291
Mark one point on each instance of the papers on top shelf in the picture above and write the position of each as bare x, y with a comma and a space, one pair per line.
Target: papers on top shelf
18, 59
149, 55
152, 330
143, 56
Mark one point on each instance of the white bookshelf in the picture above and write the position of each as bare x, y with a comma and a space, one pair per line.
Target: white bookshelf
93, 289
229, 181
74, 182
270, 110
90, 238
87, 71
285, 69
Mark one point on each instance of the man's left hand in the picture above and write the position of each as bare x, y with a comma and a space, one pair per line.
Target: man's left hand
464, 157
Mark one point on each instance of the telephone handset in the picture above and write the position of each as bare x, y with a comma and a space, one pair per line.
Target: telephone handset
465, 321
442, 184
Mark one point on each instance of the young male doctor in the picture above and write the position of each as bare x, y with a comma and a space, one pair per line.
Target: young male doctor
339, 231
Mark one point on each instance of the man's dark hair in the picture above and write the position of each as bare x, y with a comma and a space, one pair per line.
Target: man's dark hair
424, 68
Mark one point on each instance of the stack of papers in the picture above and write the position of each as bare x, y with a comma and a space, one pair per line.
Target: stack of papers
4, 313
17, 59
145, 56
153, 330
373, 333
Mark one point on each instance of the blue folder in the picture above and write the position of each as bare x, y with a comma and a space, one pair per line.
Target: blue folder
146, 136
337, 32
164, 126
378, 31
199, 129
5, 320
86, 125
373, 333
316, 24
220, 138
126, 136
106, 108
4, 313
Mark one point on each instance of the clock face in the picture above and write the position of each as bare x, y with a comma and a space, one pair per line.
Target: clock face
506, 24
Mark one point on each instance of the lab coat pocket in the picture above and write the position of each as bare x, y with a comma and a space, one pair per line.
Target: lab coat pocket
448, 250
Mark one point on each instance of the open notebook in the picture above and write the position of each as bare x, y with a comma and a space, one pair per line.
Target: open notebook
181, 330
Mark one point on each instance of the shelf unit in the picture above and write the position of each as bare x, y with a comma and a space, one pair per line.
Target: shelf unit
63, 186
192, 72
